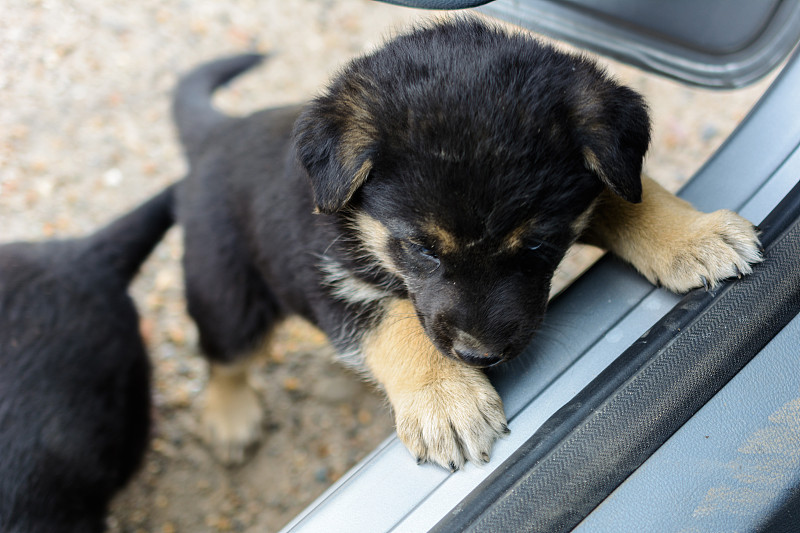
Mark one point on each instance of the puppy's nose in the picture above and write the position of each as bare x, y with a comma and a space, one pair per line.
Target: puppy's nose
473, 352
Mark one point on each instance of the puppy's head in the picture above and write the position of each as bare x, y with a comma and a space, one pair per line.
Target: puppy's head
467, 161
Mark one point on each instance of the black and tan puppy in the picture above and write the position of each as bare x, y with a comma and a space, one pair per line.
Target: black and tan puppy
416, 212
74, 375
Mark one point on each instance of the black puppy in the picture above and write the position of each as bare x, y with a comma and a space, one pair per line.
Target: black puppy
416, 212
74, 375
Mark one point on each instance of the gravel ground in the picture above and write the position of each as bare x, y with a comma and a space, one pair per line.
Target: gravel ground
85, 135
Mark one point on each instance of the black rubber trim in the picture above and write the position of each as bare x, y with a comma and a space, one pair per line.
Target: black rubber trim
593, 443
786, 518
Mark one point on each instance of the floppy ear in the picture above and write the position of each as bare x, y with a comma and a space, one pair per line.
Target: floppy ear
335, 140
614, 132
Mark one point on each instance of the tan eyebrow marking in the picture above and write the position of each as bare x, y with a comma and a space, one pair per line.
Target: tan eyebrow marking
515, 238
445, 241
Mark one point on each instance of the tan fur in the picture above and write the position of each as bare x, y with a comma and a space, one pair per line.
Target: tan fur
515, 239
232, 413
445, 412
580, 224
359, 132
445, 241
593, 164
346, 286
672, 243
358, 180
375, 237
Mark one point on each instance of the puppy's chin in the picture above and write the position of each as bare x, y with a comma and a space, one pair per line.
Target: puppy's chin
471, 351
480, 359
488, 344
477, 362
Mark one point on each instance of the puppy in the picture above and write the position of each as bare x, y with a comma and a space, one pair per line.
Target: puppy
416, 211
74, 375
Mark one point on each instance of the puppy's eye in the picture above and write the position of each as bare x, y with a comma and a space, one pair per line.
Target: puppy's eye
423, 250
541, 251
427, 252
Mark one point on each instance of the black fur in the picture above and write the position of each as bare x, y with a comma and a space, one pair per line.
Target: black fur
74, 375
193, 112
456, 126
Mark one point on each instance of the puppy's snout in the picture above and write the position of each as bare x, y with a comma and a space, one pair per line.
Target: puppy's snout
473, 352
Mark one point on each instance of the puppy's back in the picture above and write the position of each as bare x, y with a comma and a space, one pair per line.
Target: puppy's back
74, 374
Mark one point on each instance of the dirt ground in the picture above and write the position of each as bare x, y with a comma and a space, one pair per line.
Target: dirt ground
85, 135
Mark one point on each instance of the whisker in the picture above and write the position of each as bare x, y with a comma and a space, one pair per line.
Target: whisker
334, 241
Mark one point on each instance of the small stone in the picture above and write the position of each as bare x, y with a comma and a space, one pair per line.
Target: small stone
154, 301
323, 450
146, 328
709, 132
364, 417
321, 474
220, 523
153, 468
149, 168
165, 279
180, 398
277, 356
176, 335
198, 26
138, 516
291, 384
161, 501
113, 177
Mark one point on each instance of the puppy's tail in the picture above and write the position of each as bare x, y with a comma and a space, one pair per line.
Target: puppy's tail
192, 109
124, 244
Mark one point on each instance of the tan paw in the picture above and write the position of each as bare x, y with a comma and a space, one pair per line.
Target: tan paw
451, 421
232, 414
704, 250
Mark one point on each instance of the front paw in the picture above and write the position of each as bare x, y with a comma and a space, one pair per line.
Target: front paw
449, 422
708, 249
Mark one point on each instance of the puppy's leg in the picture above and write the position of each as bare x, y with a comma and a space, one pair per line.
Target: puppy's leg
670, 242
232, 414
234, 312
445, 412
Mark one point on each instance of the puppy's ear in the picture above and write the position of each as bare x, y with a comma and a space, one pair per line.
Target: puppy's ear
614, 132
336, 139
